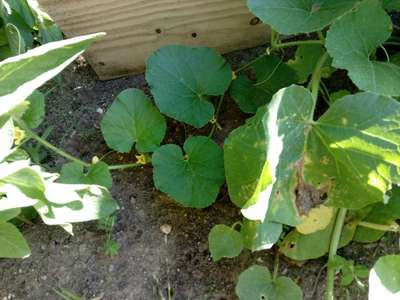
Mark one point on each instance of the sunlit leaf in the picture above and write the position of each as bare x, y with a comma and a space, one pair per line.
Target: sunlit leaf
384, 279
260, 235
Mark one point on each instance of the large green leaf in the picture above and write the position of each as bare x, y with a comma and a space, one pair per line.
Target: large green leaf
256, 283
299, 16
34, 115
192, 179
384, 278
182, 79
391, 5
351, 42
12, 243
224, 241
97, 173
22, 74
283, 161
260, 235
271, 75
133, 119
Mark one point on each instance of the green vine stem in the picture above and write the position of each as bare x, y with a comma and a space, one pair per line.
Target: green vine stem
31, 134
335, 240
381, 227
316, 77
276, 266
214, 121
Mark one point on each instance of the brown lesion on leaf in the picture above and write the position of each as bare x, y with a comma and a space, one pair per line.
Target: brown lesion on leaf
307, 196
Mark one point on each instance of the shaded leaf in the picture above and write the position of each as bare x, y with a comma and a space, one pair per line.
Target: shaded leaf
193, 179
352, 40
299, 16
34, 115
6, 138
224, 241
12, 243
133, 119
260, 235
271, 74
182, 79
256, 283
97, 173
6, 215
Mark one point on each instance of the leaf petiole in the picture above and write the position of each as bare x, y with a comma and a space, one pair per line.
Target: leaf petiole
392, 227
335, 240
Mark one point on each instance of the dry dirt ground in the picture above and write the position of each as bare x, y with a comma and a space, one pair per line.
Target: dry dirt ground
148, 261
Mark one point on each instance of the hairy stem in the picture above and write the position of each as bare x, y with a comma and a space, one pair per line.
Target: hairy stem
316, 77
392, 227
31, 134
215, 124
335, 240
49, 146
298, 43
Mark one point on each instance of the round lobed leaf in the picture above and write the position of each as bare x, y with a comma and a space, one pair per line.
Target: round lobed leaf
183, 78
299, 16
256, 283
193, 179
133, 119
352, 40
224, 241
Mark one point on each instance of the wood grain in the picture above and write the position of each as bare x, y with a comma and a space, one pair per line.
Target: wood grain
136, 28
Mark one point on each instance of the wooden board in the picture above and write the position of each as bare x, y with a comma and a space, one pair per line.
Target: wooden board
136, 28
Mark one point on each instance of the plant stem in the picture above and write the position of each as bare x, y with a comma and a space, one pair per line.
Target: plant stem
64, 154
46, 144
335, 240
392, 44
124, 166
215, 125
298, 43
393, 227
316, 77
276, 266
250, 63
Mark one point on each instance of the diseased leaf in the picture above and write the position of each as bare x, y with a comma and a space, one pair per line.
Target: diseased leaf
182, 79
299, 16
271, 74
22, 74
13, 244
256, 283
284, 162
384, 278
317, 219
224, 241
34, 115
352, 40
193, 179
97, 173
260, 236
133, 119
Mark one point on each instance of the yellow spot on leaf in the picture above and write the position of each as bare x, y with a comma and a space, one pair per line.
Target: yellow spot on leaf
317, 219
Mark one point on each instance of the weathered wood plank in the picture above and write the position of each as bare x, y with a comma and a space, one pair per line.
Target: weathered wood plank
135, 28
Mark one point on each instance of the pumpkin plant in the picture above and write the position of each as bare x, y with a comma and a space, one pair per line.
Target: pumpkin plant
312, 169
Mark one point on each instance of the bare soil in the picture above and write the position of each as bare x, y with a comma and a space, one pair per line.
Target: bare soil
149, 261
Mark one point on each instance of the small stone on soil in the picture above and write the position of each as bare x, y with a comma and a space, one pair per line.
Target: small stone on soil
166, 229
